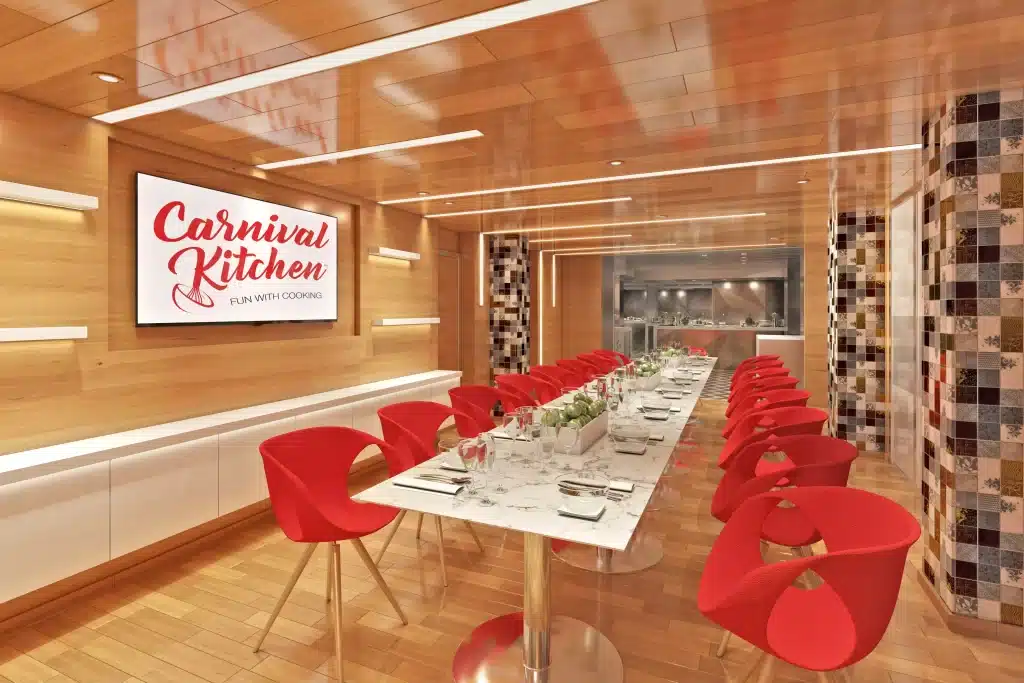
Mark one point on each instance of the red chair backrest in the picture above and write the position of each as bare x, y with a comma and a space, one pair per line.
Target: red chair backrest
760, 365
307, 477
536, 388
579, 367
604, 364
476, 402
567, 378
766, 384
756, 374
811, 460
698, 351
759, 424
412, 426
765, 400
621, 358
754, 360
868, 538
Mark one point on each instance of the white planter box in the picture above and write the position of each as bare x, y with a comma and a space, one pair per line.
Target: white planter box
648, 383
591, 432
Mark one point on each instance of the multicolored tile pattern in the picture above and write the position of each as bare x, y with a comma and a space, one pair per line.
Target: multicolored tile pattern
509, 318
972, 269
857, 319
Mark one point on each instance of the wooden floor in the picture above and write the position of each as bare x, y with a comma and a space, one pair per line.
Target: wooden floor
195, 621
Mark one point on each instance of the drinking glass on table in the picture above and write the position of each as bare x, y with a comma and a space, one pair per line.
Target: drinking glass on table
547, 435
477, 455
566, 438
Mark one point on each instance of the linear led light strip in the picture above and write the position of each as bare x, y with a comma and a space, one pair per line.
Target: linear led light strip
653, 221
580, 239
507, 209
376, 149
474, 23
663, 174
583, 250
634, 249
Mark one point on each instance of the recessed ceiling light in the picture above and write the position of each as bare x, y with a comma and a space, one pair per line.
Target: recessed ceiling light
804, 180
423, 194
691, 219
580, 239
507, 209
661, 215
671, 172
107, 77
401, 42
448, 203
727, 285
616, 162
376, 149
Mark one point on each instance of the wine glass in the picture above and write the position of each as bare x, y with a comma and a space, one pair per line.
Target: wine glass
485, 463
547, 436
510, 424
566, 439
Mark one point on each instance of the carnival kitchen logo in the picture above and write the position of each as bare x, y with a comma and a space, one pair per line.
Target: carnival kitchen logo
206, 256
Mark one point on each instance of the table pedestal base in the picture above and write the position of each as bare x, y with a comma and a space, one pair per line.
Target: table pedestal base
643, 553
493, 653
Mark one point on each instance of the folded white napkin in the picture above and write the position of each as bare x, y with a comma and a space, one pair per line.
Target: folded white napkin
590, 510
412, 482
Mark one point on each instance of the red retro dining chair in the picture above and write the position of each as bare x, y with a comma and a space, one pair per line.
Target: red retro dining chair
622, 358
476, 402
761, 385
755, 375
760, 424
579, 367
831, 626
604, 364
412, 426
698, 351
765, 400
553, 373
535, 387
754, 360
760, 365
307, 477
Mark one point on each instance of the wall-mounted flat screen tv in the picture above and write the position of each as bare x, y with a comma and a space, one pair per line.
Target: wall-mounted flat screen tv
206, 257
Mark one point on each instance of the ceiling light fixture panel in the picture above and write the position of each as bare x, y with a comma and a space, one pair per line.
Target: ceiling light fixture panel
508, 209
375, 149
689, 219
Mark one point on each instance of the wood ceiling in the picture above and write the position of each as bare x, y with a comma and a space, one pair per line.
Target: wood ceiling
658, 84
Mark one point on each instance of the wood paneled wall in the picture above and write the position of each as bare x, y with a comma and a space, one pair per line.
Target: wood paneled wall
473, 333
69, 268
815, 243
579, 304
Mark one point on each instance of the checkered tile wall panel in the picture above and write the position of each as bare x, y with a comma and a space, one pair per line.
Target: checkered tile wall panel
857, 319
510, 303
972, 268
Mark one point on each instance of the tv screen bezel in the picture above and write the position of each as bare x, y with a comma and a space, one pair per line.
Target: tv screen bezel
337, 269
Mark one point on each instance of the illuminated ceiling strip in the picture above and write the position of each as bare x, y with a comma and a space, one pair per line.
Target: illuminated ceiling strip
583, 250
580, 239
654, 221
474, 23
628, 250
507, 209
376, 149
480, 246
663, 174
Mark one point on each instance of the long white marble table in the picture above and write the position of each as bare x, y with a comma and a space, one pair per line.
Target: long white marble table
541, 648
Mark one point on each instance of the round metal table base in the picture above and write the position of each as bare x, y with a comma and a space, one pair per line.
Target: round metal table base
643, 553
493, 653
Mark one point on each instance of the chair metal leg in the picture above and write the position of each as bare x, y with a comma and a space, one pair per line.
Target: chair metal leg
336, 554
391, 535
472, 533
365, 556
440, 549
767, 671
722, 645
294, 579
419, 524
755, 662
330, 574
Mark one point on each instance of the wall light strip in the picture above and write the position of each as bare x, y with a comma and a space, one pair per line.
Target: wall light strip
474, 23
540, 322
396, 322
605, 248
376, 149
388, 252
27, 334
617, 251
508, 209
653, 221
664, 174
30, 194
629, 249
480, 268
554, 277
581, 239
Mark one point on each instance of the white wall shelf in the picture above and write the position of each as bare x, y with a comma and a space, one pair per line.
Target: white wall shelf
25, 334
30, 194
395, 322
388, 252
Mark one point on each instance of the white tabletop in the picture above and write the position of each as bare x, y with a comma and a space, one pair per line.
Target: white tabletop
531, 498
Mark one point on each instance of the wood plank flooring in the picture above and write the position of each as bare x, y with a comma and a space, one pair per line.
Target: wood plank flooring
195, 622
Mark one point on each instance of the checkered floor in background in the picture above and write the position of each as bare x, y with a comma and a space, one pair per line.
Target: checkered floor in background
717, 387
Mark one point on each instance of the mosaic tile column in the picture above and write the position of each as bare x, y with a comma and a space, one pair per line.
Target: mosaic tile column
856, 331
509, 320
972, 267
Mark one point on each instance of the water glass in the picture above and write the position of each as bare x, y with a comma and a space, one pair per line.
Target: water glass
566, 438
